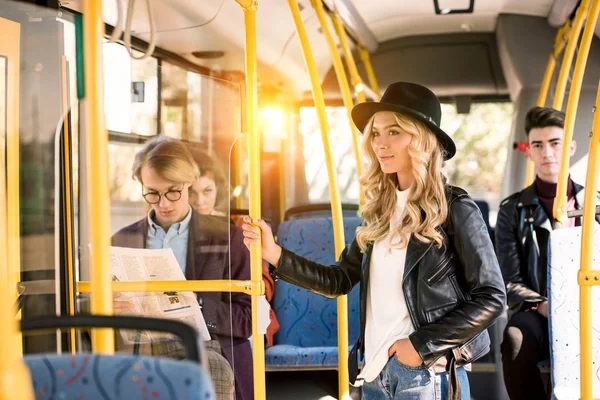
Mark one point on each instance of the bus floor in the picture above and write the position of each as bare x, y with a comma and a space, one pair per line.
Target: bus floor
322, 385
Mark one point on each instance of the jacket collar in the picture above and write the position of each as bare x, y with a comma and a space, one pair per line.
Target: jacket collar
529, 196
415, 251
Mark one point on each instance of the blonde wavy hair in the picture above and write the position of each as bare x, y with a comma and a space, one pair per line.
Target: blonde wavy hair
426, 208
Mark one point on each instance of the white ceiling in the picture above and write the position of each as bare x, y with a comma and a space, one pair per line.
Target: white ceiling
397, 18
278, 47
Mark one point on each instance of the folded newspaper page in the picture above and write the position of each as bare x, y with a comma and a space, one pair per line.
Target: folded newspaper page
155, 265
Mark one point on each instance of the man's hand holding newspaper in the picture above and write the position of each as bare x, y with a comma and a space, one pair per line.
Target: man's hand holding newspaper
158, 265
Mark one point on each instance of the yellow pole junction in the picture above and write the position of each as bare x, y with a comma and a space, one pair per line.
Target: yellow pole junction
357, 83
258, 344
560, 203
97, 173
559, 44
563, 76
15, 380
366, 59
344, 89
587, 247
336, 205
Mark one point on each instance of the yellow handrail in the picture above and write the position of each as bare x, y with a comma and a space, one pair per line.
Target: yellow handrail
258, 349
336, 205
560, 203
357, 83
563, 76
15, 380
97, 176
366, 59
587, 247
559, 45
344, 89
246, 287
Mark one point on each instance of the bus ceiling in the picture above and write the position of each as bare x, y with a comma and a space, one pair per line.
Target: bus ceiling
407, 40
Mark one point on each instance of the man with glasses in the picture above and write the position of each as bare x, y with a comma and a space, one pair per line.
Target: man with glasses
201, 244
522, 244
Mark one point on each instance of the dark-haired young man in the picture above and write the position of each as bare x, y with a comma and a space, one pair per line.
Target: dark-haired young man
522, 245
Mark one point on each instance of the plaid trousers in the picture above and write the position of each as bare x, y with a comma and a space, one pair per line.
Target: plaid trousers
220, 371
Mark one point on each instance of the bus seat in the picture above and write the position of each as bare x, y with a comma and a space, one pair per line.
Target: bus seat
485, 213
123, 376
563, 295
307, 337
319, 210
97, 376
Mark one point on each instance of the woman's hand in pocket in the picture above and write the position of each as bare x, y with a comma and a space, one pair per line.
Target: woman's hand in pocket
405, 352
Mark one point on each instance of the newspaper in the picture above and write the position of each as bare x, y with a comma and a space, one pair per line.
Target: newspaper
155, 265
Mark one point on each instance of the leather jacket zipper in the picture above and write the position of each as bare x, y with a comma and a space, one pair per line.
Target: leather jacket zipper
439, 273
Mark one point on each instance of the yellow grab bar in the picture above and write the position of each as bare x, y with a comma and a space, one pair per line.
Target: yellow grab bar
366, 59
559, 45
563, 76
97, 172
560, 203
336, 205
587, 248
354, 76
344, 89
246, 287
258, 344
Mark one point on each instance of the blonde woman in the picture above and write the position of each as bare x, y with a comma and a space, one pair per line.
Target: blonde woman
430, 281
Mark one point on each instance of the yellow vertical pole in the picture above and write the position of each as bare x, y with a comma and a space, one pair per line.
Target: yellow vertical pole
559, 44
563, 76
354, 76
97, 176
13, 265
336, 205
560, 203
366, 59
258, 346
587, 247
15, 380
344, 89
68, 221
282, 158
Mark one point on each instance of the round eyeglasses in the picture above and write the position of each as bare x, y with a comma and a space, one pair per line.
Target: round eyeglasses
154, 197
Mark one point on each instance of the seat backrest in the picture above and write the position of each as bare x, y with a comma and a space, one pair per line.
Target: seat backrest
116, 377
563, 295
485, 213
307, 319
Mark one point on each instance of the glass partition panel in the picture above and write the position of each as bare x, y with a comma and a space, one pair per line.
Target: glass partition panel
41, 98
171, 221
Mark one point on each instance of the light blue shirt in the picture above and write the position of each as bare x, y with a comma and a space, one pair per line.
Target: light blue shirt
176, 238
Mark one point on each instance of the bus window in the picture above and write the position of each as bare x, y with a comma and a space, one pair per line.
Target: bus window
131, 91
480, 138
343, 154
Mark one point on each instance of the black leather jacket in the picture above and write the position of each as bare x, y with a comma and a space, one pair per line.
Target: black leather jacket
522, 244
453, 293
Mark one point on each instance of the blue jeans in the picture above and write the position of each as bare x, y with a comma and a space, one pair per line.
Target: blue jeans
401, 382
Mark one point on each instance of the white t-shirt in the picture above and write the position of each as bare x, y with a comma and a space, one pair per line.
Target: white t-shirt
387, 315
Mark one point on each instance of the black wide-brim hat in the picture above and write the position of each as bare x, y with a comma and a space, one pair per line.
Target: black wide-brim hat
409, 99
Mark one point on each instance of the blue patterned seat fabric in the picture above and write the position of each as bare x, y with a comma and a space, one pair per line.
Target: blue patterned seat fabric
87, 376
307, 337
